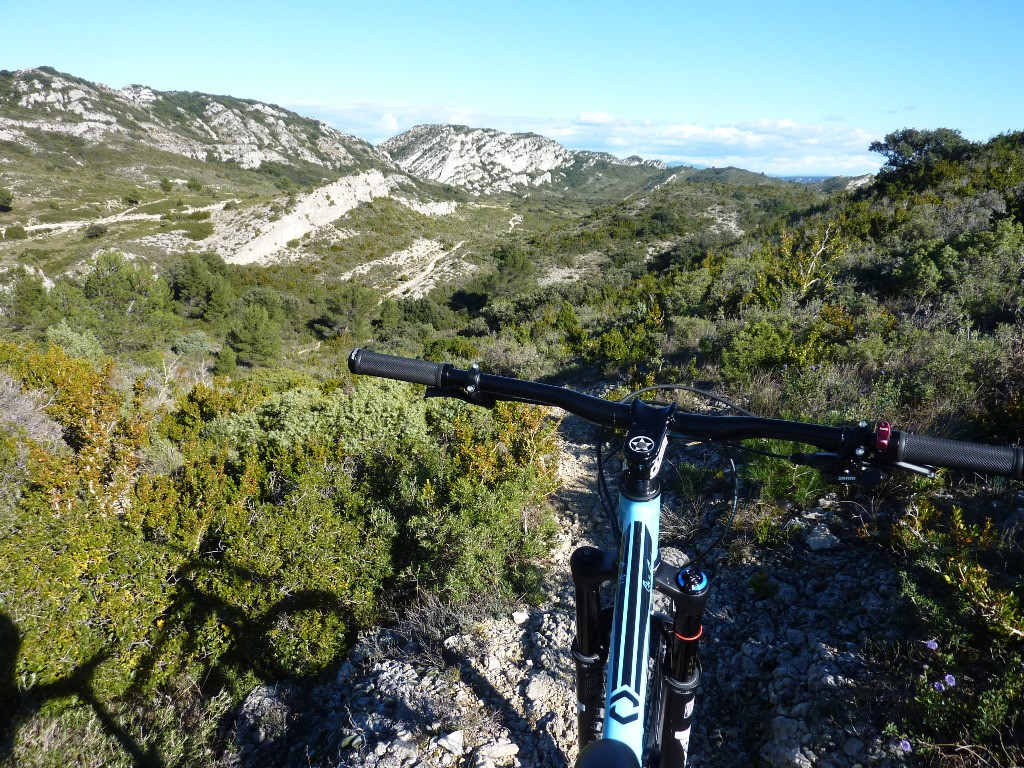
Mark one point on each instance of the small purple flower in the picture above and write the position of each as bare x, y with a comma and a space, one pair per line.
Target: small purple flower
938, 686
931, 645
950, 680
904, 745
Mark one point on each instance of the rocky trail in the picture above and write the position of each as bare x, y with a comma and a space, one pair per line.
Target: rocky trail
786, 682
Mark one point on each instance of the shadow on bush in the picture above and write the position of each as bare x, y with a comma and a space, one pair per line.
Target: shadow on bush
250, 654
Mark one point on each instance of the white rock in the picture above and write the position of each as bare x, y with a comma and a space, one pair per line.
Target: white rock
454, 742
498, 751
821, 538
539, 687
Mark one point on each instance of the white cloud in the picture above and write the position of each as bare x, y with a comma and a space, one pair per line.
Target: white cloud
378, 121
777, 147
594, 118
389, 123
781, 147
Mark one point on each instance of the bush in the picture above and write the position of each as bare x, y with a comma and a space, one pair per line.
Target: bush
227, 361
196, 344
15, 232
95, 230
77, 344
255, 337
451, 349
762, 344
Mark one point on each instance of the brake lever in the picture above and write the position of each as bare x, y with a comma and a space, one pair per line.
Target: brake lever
843, 470
928, 472
860, 471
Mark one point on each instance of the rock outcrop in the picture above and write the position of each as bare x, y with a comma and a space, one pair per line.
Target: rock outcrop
484, 160
195, 125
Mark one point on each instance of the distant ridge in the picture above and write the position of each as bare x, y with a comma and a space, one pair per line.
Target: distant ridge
484, 160
195, 125
252, 135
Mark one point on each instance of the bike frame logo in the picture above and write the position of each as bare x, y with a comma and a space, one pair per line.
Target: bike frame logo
641, 444
644, 445
624, 705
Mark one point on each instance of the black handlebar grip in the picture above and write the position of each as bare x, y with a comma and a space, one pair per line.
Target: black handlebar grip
987, 459
401, 368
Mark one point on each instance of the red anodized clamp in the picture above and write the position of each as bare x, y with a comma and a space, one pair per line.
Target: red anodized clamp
882, 435
695, 637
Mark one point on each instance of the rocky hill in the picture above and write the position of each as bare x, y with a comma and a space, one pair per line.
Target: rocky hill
39, 105
156, 173
485, 161
35, 102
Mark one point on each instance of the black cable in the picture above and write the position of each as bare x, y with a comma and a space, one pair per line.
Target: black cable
604, 493
758, 451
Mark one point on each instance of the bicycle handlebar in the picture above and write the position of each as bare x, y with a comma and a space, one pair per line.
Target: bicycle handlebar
882, 444
400, 368
956, 454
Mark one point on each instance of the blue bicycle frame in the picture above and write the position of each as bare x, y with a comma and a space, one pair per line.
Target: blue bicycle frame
647, 713
627, 678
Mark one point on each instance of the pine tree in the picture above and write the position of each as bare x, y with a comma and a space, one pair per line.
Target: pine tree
256, 338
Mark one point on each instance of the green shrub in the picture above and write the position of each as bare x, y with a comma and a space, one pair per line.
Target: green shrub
199, 230
760, 345
227, 361
255, 336
196, 344
779, 480
206, 567
966, 667
451, 349
77, 344
15, 232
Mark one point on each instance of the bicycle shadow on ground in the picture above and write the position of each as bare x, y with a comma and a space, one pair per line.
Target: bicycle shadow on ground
545, 749
17, 705
250, 654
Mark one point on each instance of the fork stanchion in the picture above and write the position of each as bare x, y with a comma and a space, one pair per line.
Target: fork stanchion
689, 592
591, 568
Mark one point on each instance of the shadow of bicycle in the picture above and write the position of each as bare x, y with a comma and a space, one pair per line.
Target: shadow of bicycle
250, 653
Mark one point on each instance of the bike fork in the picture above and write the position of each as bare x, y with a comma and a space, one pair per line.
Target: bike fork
688, 588
591, 568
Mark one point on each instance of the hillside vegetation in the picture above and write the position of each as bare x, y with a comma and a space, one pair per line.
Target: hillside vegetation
197, 496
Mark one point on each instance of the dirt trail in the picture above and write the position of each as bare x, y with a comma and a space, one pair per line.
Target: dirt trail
415, 286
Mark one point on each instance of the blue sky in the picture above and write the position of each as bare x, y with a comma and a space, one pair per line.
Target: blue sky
783, 87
